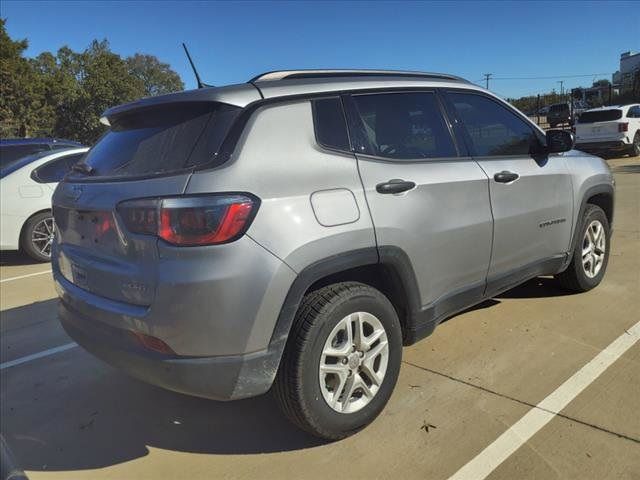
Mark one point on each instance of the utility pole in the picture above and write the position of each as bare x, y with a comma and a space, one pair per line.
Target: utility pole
487, 76
561, 82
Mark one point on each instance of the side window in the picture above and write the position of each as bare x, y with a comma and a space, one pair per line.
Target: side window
330, 124
491, 127
634, 112
55, 170
404, 126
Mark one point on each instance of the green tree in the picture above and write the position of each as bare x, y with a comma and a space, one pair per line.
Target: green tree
157, 78
64, 94
23, 110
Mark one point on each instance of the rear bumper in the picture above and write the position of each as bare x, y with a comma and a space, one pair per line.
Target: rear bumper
612, 145
219, 378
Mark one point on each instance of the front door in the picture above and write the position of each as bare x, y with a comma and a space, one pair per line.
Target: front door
531, 196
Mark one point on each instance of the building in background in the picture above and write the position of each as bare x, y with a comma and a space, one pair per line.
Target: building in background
629, 71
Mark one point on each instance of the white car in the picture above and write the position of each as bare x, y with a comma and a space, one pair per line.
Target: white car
609, 130
26, 187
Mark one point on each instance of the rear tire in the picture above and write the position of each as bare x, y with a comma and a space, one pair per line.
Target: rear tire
591, 252
37, 236
333, 383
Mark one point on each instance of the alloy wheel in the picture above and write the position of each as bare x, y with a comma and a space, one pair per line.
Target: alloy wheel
593, 249
353, 362
42, 236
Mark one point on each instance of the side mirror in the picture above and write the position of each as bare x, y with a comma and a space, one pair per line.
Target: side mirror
559, 141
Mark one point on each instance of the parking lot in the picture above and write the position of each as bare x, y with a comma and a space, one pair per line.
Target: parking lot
478, 397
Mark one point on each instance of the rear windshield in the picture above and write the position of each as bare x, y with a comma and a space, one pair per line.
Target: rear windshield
559, 108
600, 116
161, 139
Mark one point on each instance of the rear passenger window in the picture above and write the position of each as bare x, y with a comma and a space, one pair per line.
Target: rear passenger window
55, 170
330, 125
492, 128
404, 126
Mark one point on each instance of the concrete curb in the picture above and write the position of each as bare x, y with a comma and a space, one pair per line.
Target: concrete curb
8, 466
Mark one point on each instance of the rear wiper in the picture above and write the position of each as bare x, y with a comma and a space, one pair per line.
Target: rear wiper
82, 168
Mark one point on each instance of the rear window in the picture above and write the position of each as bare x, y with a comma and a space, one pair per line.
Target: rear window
330, 124
55, 170
600, 116
10, 154
162, 139
563, 107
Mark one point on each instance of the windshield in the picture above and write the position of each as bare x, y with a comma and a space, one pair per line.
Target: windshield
600, 116
161, 139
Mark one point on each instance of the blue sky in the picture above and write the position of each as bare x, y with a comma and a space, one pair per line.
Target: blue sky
231, 42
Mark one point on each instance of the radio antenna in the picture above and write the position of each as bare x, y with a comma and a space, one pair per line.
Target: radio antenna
200, 83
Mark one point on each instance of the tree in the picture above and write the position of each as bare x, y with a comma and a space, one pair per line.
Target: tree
157, 78
64, 94
23, 110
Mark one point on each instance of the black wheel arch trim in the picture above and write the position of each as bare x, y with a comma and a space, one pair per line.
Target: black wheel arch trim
603, 188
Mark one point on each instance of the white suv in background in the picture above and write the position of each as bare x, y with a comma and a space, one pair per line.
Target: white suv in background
605, 130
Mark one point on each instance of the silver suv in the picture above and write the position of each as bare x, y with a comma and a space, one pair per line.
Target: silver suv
297, 230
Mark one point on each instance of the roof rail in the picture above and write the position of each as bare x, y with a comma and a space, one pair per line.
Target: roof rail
298, 74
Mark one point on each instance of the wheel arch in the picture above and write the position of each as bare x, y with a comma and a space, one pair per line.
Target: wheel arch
388, 269
601, 195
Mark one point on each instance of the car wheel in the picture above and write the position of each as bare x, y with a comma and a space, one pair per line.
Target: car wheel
37, 236
634, 151
591, 252
341, 362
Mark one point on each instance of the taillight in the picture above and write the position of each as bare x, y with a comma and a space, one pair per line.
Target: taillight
191, 221
623, 127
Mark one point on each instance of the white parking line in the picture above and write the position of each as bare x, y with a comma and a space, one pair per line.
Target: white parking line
35, 356
519, 433
19, 277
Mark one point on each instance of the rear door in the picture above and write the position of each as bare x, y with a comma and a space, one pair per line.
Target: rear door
426, 195
146, 154
531, 195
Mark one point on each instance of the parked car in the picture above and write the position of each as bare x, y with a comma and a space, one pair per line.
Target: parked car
296, 230
25, 207
610, 130
14, 149
559, 114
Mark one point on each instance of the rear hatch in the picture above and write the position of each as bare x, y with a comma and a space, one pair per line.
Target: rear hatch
146, 154
599, 124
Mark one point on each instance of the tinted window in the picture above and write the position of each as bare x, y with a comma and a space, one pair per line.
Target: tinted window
404, 126
634, 112
600, 116
330, 125
162, 139
562, 107
9, 154
491, 127
55, 170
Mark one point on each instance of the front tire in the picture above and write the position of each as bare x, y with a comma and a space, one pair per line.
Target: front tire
591, 252
37, 236
341, 362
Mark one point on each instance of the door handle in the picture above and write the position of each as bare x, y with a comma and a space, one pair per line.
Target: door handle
394, 186
505, 177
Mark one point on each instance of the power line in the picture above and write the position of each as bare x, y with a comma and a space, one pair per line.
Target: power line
549, 78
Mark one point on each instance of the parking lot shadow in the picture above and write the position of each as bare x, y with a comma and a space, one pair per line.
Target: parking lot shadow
537, 288
13, 258
633, 168
69, 411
